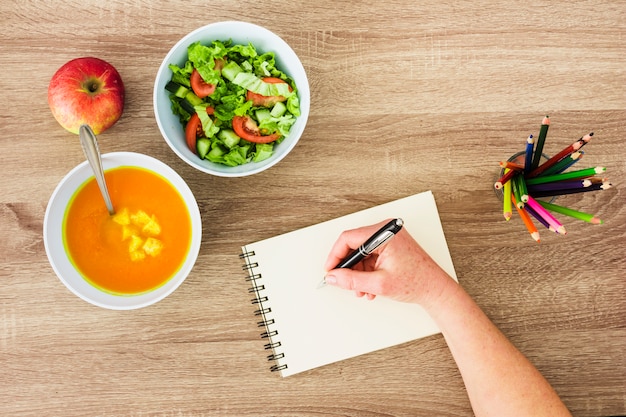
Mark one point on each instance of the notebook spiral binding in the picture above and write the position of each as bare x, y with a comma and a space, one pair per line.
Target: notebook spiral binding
263, 310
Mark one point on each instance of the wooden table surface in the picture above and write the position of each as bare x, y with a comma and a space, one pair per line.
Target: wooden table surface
405, 97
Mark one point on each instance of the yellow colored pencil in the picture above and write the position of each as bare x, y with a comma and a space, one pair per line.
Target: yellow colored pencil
506, 202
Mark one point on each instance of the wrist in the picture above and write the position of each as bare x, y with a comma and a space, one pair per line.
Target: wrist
442, 290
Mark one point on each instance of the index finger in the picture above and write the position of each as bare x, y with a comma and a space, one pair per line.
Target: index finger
348, 241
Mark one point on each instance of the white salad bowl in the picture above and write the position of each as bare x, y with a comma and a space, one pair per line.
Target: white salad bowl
240, 33
54, 239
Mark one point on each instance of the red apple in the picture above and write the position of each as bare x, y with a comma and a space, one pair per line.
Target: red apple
86, 91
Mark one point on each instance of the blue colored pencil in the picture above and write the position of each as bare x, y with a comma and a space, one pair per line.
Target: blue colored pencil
530, 144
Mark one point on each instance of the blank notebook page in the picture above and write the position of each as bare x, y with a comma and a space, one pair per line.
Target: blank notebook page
316, 327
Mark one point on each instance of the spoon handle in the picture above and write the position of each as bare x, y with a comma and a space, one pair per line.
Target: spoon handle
90, 147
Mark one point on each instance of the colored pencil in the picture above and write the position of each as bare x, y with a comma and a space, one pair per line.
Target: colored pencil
590, 218
552, 221
517, 191
540, 219
523, 189
560, 185
507, 212
582, 153
572, 175
592, 187
506, 177
564, 153
532, 229
564, 163
597, 180
511, 165
528, 160
543, 132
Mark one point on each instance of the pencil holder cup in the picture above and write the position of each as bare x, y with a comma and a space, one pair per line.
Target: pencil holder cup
517, 158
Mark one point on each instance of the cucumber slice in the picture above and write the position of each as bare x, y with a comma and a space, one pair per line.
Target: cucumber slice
203, 145
228, 138
279, 109
216, 152
262, 114
177, 89
230, 70
187, 106
193, 99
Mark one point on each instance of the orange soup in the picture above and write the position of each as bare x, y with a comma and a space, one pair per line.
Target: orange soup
140, 247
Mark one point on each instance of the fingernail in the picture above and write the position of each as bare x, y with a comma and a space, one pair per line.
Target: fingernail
331, 279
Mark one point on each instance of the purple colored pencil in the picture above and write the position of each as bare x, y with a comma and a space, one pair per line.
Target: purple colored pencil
560, 185
538, 217
552, 193
552, 221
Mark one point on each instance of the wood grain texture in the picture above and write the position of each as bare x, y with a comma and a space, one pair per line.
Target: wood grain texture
405, 97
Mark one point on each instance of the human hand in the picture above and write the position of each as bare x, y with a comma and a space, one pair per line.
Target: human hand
400, 269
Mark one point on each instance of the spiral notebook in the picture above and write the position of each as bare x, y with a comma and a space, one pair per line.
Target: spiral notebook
307, 327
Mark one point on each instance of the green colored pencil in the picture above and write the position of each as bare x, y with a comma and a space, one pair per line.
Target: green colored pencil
572, 175
523, 190
515, 183
543, 132
563, 164
590, 218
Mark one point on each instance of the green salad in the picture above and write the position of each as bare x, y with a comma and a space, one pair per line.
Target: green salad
233, 102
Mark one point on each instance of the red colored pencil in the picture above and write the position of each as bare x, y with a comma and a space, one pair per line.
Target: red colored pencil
506, 177
511, 165
564, 153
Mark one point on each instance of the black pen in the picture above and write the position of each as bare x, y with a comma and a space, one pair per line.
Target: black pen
378, 239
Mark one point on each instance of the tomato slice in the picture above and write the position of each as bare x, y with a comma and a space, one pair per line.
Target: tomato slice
193, 130
266, 101
199, 87
246, 128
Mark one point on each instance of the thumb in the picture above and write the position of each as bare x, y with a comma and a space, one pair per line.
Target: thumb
354, 280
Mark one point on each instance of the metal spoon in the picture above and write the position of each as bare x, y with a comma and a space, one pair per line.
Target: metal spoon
90, 147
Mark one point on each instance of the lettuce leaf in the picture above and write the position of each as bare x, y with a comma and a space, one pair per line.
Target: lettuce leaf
256, 85
263, 151
209, 128
203, 60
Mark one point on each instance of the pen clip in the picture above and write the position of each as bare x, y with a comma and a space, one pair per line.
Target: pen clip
369, 247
